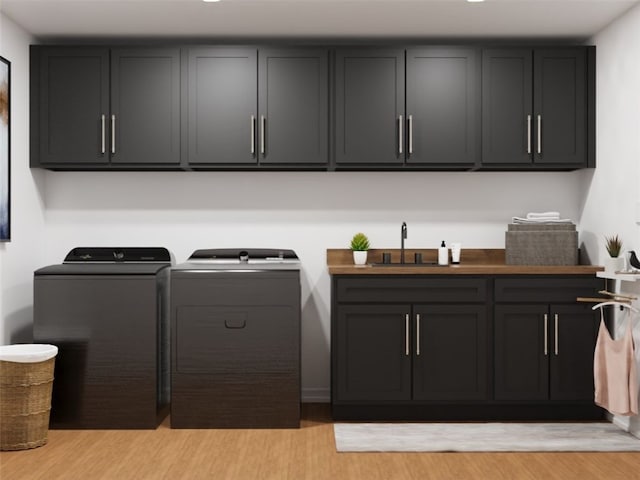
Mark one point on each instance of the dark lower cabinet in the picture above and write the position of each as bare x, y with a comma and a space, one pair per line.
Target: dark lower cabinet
450, 352
388, 349
474, 348
373, 359
544, 352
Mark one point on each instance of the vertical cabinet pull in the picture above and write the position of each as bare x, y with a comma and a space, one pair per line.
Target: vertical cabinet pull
529, 134
410, 134
418, 334
113, 134
104, 135
539, 134
263, 127
555, 319
406, 335
253, 135
546, 334
400, 134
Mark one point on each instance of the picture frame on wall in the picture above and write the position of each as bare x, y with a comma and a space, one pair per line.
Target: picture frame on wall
5, 150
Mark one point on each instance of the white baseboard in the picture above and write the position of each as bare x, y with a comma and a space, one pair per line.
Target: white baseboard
316, 395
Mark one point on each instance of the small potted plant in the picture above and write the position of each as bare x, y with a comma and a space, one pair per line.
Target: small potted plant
614, 263
360, 246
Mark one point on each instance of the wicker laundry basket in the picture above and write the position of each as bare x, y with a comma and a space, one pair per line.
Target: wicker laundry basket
26, 382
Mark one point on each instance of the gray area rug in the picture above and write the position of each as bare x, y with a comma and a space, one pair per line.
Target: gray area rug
483, 437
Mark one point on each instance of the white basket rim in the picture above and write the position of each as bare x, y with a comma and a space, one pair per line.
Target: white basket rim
28, 352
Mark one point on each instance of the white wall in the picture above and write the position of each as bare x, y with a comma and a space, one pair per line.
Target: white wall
306, 211
24, 253
613, 191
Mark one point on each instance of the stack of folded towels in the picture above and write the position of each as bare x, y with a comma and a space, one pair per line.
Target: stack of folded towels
542, 217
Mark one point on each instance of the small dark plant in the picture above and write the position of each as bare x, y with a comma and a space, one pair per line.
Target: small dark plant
613, 245
360, 243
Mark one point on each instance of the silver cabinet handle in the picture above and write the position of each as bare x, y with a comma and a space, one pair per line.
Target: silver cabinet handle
406, 335
400, 134
539, 134
263, 127
104, 134
113, 134
529, 134
555, 319
253, 135
546, 334
410, 134
418, 334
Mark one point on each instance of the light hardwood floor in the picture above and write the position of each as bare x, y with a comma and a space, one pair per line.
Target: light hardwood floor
304, 454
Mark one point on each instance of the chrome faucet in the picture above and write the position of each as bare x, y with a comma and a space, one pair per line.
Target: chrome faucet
403, 236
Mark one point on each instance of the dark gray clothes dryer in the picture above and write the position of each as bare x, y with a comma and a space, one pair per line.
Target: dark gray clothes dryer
107, 311
235, 340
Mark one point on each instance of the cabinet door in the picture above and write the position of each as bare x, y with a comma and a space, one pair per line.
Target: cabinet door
450, 352
521, 370
574, 329
369, 107
559, 106
443, 96
293, 106
145, 106
74, 106
222, 102
507, 106
372, 355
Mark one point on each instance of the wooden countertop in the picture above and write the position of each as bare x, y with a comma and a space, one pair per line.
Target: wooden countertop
485, 261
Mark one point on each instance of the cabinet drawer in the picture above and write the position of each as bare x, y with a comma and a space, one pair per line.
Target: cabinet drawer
432, 289
546, 289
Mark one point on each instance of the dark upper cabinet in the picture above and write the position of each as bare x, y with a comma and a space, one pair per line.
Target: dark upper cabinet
293, 106
70, 106
443, 106
98, 107
145, 106
222, 105
250, 107
434, 122
304, 108
369, 107
534, 107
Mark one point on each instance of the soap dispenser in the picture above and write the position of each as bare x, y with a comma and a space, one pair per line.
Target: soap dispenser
443, 254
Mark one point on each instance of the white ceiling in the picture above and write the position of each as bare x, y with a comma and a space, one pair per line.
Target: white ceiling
574, 19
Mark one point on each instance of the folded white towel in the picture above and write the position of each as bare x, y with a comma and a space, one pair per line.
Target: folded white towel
545, 215
521, 220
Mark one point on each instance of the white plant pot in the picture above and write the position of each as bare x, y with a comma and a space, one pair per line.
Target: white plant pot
359, 257
613, 264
